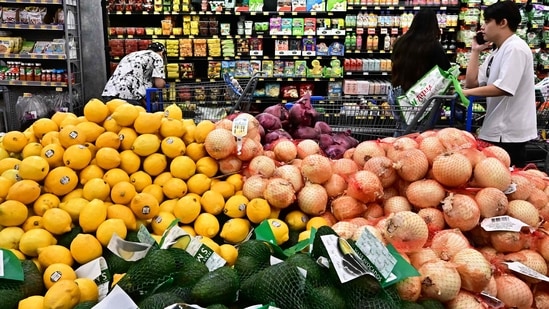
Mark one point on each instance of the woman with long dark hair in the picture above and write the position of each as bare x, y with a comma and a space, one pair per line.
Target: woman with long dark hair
417, 51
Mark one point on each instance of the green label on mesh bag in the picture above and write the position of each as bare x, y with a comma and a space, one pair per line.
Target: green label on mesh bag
10, 268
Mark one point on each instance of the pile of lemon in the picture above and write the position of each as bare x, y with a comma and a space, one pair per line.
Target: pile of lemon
113, 169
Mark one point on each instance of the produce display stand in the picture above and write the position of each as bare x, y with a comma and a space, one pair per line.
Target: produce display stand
205, 100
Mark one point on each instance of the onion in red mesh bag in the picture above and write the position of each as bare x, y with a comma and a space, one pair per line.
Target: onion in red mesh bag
316, 168
439, 280
312, 199
279, 192
346, 207
452, 169
405, 230
364, 186
474, 269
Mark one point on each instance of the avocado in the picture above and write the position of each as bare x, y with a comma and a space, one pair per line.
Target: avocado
219, 286
159, 300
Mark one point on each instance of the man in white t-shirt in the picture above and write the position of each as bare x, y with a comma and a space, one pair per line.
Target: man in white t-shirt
506, 79
135, 73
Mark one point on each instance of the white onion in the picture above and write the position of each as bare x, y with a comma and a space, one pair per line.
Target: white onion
285, 150
312, 199
491, 202
346, 207
254, 186
335, 186
431, 147
411, 164
220, 143
538, 198
425, 193
345, 229
531, 259
366, 150
439, 280
373, 211
474, 269
523, 188
229, 165
364, 186
292, 174
262, 165
447, 243
507, 241
541, 295
399, 145
461, 211
279, 192
433, 217
422, 256
307, 147
409, 289
513, 292
344, 167
473, 154
464, 300
490, 172
454, 139
396, 204
499, 153
316, 168
406, 231
250, 149
452, 169
524, 211
383, 168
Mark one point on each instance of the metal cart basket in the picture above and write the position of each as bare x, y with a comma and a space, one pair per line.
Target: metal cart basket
205, 100
367, 120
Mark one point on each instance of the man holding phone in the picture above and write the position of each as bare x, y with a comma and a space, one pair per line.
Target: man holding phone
506, 79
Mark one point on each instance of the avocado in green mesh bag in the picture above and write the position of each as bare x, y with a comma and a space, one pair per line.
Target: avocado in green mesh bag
324, 297
217, 306
281, 283
12, 291
219, 286
253, 256
193, 270
183, 292
316, 274
159, 301
86, 305
116, 264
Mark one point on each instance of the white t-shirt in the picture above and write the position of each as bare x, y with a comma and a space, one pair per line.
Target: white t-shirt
134, 75
510, 119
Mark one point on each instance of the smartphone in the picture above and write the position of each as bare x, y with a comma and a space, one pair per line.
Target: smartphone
480, 38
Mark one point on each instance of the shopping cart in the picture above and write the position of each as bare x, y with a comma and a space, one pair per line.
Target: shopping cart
205, 100
367, 119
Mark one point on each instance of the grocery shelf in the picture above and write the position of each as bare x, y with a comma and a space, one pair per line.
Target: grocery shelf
34, 56
32, 83
34, 1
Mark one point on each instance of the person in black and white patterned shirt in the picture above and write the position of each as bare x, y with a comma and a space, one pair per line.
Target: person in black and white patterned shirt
135, 73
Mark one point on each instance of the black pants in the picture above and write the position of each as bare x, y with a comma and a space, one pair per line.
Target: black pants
134, 102
517, 152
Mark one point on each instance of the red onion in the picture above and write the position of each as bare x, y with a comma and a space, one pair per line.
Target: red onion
269, 121
302, 113
279, 111
335, 151
323, 128
305, 132
325, 141
345, 139
275, 135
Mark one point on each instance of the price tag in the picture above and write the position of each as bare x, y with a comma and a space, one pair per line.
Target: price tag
376, 252
503, 223
117, 298
205, 254
127, 250
383, 31
240, 129
525, 270
371, 30
98, 271
347, 264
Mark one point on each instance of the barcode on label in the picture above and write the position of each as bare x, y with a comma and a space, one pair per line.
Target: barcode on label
500, 219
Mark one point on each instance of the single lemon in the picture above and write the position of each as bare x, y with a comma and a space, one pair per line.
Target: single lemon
235, 206
42, 126
54, 254
108, 228
225, 188
126, 136
33, 222
32, 302
187, 208
280, 230
140, 180
156, 191
160, 222
65, 294
95, 110
144, 205
195, 151
316, 222
172, 127
88, 289
206, 225
56, 272
173, 111
33, 239
198, 183
89, 172
108, 140
45, 202
118, 211
174, 188
182, 167
25, 191
85, 248
10, 236
155, 164
203, 128
168, 205
107, 158
31, 149
92, 215
173, 146
123, 193
212, 202
74, 206
229, 253
34, 168
236, 180
116, 175
57, 221
297, 220
96, 188
13, 213
258, 209
235, 230
77, 156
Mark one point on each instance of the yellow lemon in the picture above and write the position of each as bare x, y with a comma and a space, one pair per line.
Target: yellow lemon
96, 188
91, 130
71, 135
173, 146
140, 180
161, 178
116, 175
42, 126
145, 205
29, 134
280, 230
126, 136
210, 243
154, 164
25, 191
33, 222
304, 235
156, 191
31, 149
122, 192
59, 116
32, 302
60, 181
130, 162
275, 213
13, 213
257, 210
56, 272
51, 137
109, 139
316, 222
229, 253
92, 215
65, 294
111, 125
172, 127
187, 208
85, 248
206, 225
146, 144
107, 158
195, 151
14, 141
160, 222
89, 172
226, 189
114, 103
45, 202
108, 228
34, 168
77, 156
95, 110
168, 205
4, 154
10, 237
235, 230
54, 254
147, 122
236, 180
9, 164
5, 184
69, 119
235, 206
88, 289
77, 192
212, 202
12, 175
198, 183
53, 153
207, 166
182, 167
203, 128
173, 111
57, 221
188, 137
118, 211
297, 220
189, 229
174, 188
74, 206
125, 114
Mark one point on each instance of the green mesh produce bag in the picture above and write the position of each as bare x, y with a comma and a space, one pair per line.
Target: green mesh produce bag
253, 256
12, 291
159, 301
